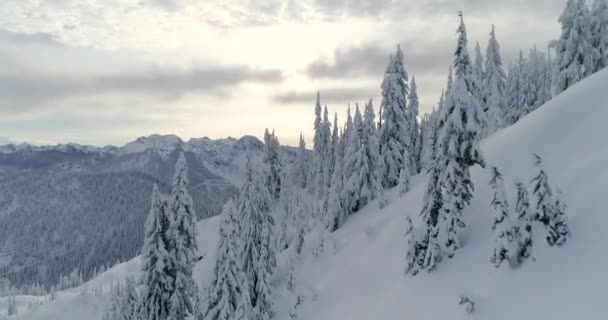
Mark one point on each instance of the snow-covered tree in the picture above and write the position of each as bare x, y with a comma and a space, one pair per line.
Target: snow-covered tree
575, 54
336, 213
494, 85
131, 301
125, 302
301, 165
356, 167
458, 147
258, 259
550, 210
424, 249
322, 141
599, 33
412, 111
182, 246
524, 224
225, 293
502, 225
273, 163
156, 262
395, 137
478, 71
369, 139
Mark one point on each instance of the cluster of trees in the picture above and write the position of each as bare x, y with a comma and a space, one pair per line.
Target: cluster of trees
168, 256
513, 230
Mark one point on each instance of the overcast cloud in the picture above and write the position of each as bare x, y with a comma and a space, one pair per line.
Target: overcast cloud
201, 63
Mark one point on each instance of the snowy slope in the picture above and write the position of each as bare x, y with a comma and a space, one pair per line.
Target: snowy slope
83, 303
362, 277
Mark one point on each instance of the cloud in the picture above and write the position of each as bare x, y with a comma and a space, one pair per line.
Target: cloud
331, 95
38, 70
18, 91
370, 60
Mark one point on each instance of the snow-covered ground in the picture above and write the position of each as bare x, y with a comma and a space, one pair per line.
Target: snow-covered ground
363, 277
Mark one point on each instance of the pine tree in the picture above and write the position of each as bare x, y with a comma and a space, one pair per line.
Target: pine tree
549, 211
258, 259
273, 163
395, 135
131, 301
575, 54
494, 85
336, 213
413, 110
355, 192
182, 243
226, 290
523, 227
479, 72
424, 249
458, 146
156, 262
300, 171
599, 33
502, 226
372, 152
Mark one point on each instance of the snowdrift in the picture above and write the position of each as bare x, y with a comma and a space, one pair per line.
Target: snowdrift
362, 276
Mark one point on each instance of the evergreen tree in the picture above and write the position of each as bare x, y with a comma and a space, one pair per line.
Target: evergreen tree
372, 152
258, 259
156, 262
336, 213
494, 85
575, 54
549, 210
458, 145
273, 163
502, 226
424, 248
131, 301
479, 72
320, 150
525, 221
395, 135
225, 292
355, 192
599, 33
300, 171
413, 110
182, 243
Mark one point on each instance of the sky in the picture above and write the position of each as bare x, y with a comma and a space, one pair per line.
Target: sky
104, 72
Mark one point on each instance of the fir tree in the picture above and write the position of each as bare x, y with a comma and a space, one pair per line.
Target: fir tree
549, 210
413, 110
525, 221
156, 262
355, 191
273, 163
575, 54
599, 33
458, 146
372, 156
494, 85
258, 259
225, 292
502, 226
182, 243
395, 135
479, 72
300, 171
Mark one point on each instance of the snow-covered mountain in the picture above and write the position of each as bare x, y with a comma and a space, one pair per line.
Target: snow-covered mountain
362, 276
92, 202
